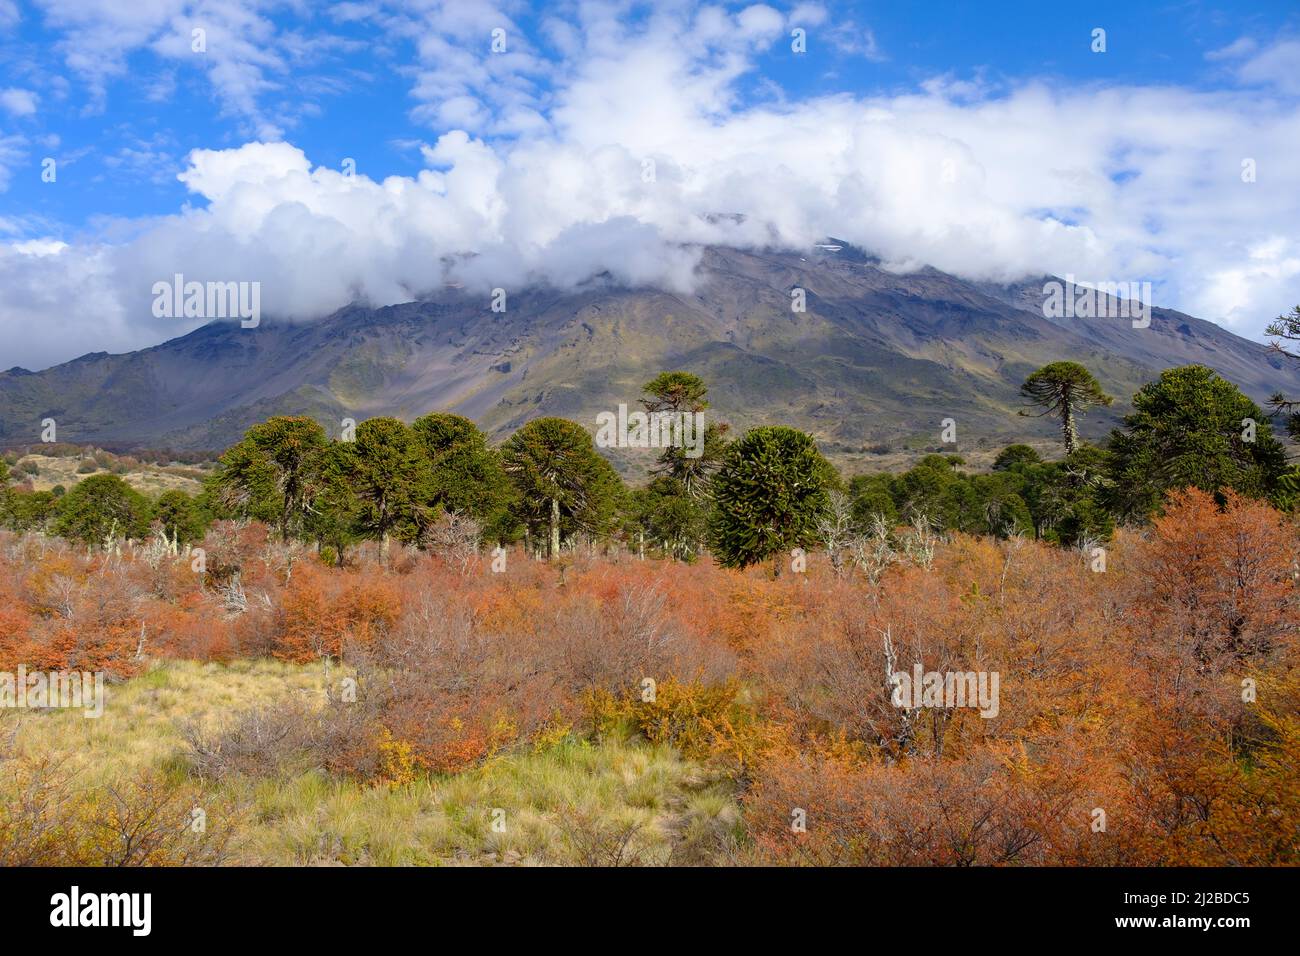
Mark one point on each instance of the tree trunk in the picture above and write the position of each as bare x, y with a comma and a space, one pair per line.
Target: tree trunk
555, 527
1068, 428
383, 549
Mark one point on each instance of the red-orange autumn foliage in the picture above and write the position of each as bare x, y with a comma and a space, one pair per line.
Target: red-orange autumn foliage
1146, 714
322, 611
1219, 580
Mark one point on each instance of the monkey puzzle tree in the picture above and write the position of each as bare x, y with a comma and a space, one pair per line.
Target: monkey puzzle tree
334, 522
180, 515
666, 518
1191, 428
272, 473
1066, 389
1070, 499
683, 392
30, 511
465, 474
102, 507
675, 392
390, 478
768, 495
559, 478
1014, 456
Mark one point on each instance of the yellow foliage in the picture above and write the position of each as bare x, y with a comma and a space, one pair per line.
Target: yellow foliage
398, 764
700, 721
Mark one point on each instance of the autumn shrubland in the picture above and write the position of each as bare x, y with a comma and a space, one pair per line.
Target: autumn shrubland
425, 708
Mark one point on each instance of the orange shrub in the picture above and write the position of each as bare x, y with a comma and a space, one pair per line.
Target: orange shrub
322, 610
1160, 692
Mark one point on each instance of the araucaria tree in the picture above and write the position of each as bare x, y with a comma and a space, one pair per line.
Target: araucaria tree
1066, 389
100, 508
675, 392
334, 522
390, 477
179, 517
560, 479
1192, 428
272, 473
768, 495
466, 476
684, 392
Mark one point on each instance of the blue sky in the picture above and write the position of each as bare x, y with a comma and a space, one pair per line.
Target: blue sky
356, 102
1124, 164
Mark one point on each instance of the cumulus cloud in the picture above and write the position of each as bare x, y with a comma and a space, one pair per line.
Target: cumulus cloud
18, 102
642, 139
476, 66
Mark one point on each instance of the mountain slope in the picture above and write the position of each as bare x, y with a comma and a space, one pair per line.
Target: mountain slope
877, 358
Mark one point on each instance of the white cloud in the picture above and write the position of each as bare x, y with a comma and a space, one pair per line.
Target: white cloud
244, 56
854, 40
39, 247
1273, 65
760, 20
12, 151
1123, 183
1238, 47
1269, 271
18, 102
474, 63
97, 35
808, 15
